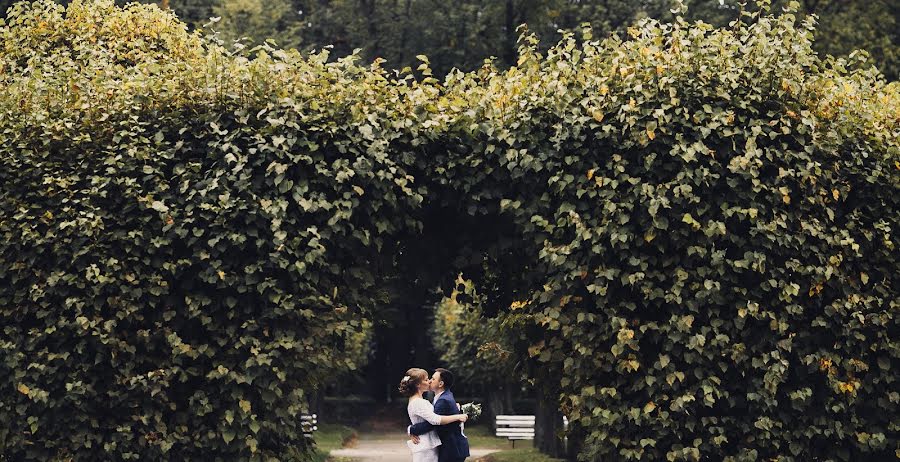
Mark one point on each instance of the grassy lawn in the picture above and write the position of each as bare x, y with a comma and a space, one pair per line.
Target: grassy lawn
526, 454
332, 436
480, 436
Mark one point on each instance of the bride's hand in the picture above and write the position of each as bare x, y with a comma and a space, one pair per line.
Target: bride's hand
415, 439
463, 418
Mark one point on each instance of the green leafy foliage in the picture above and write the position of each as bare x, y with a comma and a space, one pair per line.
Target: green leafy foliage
191, 238
257, 21
716, 210
475, 346
186, 236
843, 27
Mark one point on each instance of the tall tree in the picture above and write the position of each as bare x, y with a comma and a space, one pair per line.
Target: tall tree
258, 21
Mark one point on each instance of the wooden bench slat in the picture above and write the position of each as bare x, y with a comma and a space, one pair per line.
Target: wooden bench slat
515, 427
308, 424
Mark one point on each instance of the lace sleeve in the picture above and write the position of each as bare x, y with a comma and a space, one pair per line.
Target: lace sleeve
425, 410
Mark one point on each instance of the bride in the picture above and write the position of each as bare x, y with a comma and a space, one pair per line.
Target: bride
421, 410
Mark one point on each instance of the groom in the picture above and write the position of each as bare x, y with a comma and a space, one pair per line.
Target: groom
454, 446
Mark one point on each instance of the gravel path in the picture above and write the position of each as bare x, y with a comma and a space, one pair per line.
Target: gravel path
389, 447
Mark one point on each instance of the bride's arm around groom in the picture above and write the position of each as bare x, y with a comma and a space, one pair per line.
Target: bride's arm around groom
454, 446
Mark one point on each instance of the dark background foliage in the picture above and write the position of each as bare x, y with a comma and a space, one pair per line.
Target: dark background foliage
462, 34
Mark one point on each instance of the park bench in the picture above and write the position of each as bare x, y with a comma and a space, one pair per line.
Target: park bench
518, 427
308, 422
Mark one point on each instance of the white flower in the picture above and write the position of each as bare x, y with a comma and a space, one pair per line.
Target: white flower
472, 410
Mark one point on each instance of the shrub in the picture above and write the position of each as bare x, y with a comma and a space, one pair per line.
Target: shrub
716, 211
191, 237
187, 236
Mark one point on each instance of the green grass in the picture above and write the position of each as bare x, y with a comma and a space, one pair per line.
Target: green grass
518, 455
333, 436
480, 436
330, 437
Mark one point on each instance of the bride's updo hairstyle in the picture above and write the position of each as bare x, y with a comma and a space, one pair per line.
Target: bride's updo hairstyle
409, 385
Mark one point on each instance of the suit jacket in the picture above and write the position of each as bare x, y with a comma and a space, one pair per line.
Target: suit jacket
454, 446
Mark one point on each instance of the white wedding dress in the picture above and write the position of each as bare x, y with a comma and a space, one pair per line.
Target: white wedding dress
420, 410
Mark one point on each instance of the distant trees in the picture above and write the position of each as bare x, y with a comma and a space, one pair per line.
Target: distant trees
258, 21
456, 34
463, 33
476, 346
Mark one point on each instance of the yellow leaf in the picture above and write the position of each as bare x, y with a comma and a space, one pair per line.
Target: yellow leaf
835, 193
358, 190
221, 275
23, 389
590, 174
651, 134
245, 405
864, 277
687, 218
518, 304
604, 90
815, 290
649, 235
649, 407
631, 365
598, 115
659, 69
785, 194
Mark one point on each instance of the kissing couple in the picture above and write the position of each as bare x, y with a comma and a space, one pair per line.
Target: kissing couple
436, 432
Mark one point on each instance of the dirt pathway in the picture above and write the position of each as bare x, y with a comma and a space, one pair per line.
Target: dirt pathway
389, 447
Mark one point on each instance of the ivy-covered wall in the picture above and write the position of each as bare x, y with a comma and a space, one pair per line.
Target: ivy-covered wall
192, 237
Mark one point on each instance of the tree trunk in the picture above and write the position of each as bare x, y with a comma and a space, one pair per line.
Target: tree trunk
574, 442
404, 34
499, 402
316, 401
510, 45
548, 427
368, 8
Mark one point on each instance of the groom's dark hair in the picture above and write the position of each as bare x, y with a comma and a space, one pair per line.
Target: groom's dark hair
446, 377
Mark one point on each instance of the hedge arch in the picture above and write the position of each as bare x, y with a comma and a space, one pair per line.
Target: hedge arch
192, 238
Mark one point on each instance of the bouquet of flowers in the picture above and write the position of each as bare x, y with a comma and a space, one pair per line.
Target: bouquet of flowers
473, 411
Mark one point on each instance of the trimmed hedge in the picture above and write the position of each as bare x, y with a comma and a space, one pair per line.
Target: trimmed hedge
717, 212
191, 237
187, 236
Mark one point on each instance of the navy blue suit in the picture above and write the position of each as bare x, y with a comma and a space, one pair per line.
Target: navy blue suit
454, 446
